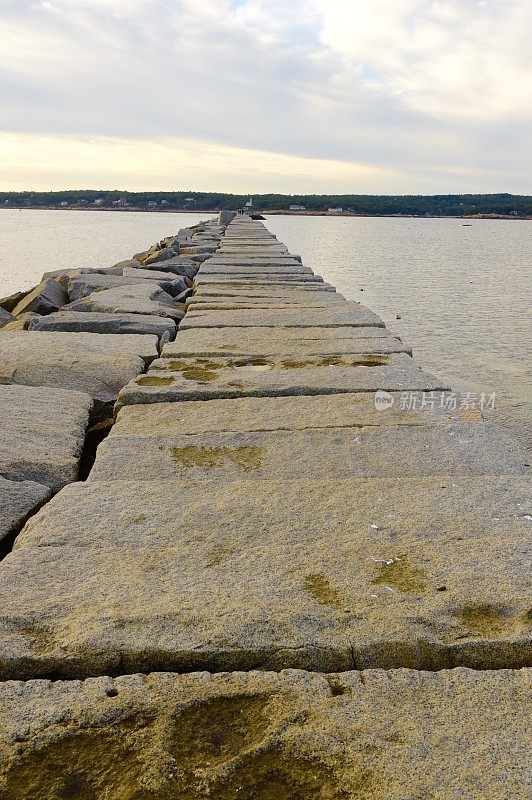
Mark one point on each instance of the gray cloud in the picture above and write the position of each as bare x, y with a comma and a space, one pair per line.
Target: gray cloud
381, 90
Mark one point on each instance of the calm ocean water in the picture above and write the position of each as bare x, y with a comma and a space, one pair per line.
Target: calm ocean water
462, 292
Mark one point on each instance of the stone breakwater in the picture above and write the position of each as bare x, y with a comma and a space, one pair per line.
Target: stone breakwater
266, 588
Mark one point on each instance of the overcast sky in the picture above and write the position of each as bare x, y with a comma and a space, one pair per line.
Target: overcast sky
332, 96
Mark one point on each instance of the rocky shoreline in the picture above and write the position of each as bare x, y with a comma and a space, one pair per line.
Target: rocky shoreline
238, 563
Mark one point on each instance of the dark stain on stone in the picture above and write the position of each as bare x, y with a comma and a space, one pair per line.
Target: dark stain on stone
403, 576
487, 619
246, 459
154, 380
320, 588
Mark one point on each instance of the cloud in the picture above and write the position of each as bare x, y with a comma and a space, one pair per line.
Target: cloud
428, 92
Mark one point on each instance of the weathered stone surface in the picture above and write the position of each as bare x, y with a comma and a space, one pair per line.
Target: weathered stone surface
323, 575
45, 435
300, 293
48, 296
175, 283
172, 380
83, 285
260, 249
179, 265
6, 317
128, 262
385, 451
225, 217
290, 342
11, 301
300, 282
19, 499
20, 323
254, 266
340, 315
286, 413
142, 298
163, 254
97, 364
238, 302
101, 322
397, 735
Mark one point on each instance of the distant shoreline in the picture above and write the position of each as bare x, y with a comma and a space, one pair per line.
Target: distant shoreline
270, 213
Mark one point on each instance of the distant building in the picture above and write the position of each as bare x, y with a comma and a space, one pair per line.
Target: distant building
63, 203
336, 210
297, 208
164, 202
99, 201
190, 199
152, 203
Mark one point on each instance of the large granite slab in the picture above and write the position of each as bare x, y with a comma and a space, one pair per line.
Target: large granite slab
18, 500
204, 379
301, 292
43, 435
338, 315
238, 304
324, 575
290, 413
254, 266
291, 281
290, 342
396, 735
144, 297
96, 364
463, 449
104, 322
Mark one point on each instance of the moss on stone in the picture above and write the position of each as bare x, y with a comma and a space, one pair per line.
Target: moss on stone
245, 458
154, 380
400, 574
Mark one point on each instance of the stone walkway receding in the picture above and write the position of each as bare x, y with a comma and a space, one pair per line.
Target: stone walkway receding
298, 569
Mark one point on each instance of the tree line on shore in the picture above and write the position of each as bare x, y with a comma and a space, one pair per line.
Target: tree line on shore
368, 205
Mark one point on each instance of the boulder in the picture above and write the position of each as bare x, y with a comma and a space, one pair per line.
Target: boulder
102, 322
129, 262
18, 500
162, 255
6, 317
144, 297
62, 276
10, 302
225, 217
45, 436
20, 323
173, 284
84, 285
96, 364
180, 265
48, 296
